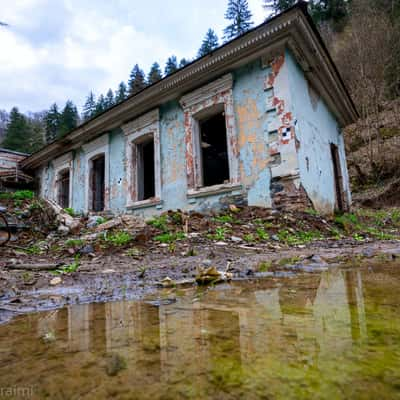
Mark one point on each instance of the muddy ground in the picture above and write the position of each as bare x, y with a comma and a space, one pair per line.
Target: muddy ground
48, 265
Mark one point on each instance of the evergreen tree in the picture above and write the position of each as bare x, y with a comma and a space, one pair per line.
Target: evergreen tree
183, 63
100, 105
109, 101
239, 15
52, 123
137, 80
19, 134
89, 108
210, 42
171, 66
155, 74
69, 119
278, 6
121, 93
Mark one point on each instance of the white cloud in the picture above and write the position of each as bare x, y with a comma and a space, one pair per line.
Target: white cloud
59, 50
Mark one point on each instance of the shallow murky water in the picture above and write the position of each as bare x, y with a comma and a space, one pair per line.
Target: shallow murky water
325, 336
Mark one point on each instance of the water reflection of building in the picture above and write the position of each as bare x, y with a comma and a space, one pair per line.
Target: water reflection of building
317, 315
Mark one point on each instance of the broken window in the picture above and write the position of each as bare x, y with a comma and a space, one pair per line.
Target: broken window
214, 150
145, 169
97, 180
63, 188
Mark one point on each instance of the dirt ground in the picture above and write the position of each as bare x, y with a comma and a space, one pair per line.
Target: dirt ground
48, 264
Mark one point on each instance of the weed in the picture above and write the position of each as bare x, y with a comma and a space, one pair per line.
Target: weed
297, 238
68, 269
249, 238
262, 234
70, 211
101, 220
172, 247
19, 195
348, 222
311, 211
74, 243
169, 237
358, 237
264, 266
34, 250
159, 222
225, 219
176, 218
120, 238
220, 233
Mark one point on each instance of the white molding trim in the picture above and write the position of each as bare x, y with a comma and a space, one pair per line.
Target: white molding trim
216, 96
206, 92
141, 122
92, 150
60, 164
136, 131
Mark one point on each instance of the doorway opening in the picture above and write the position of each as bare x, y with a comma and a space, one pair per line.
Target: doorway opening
146, 187
97, 180
338, 178
63, 188
214, 150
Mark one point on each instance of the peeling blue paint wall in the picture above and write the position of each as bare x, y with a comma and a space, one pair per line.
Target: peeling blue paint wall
316, 128
250, 102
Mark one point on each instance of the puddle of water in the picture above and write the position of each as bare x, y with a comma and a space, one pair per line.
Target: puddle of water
333, 335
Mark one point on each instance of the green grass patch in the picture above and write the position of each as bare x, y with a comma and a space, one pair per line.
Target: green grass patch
169, 237
120, 238
160, 223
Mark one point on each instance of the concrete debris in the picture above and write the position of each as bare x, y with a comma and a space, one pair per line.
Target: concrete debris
113, 223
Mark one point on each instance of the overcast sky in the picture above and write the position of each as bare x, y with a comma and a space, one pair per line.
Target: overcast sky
54, 50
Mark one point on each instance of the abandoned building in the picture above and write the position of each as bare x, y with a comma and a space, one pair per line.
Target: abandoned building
258, 121
11, 176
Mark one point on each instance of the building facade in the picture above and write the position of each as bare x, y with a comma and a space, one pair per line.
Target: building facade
258, 121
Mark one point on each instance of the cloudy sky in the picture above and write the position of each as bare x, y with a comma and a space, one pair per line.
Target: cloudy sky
54, 50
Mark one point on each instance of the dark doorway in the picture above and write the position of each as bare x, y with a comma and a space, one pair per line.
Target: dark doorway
63, 189
97, 181
145, 170
214, 150
340, 205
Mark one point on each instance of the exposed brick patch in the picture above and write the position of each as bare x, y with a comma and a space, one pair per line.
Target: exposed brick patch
287, 196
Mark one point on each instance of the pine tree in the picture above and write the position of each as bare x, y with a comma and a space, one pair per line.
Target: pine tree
155, 74
240, 16
100, 105
171, 66
137, 80
183, 63
69, 119
278, 6
121, 93
210, 42
89, 108
52, 123
19, 133
109, 101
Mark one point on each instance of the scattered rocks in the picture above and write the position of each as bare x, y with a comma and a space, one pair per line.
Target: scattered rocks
56, 281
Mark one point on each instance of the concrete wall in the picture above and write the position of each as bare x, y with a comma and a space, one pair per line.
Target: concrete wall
273, 109
316, 129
